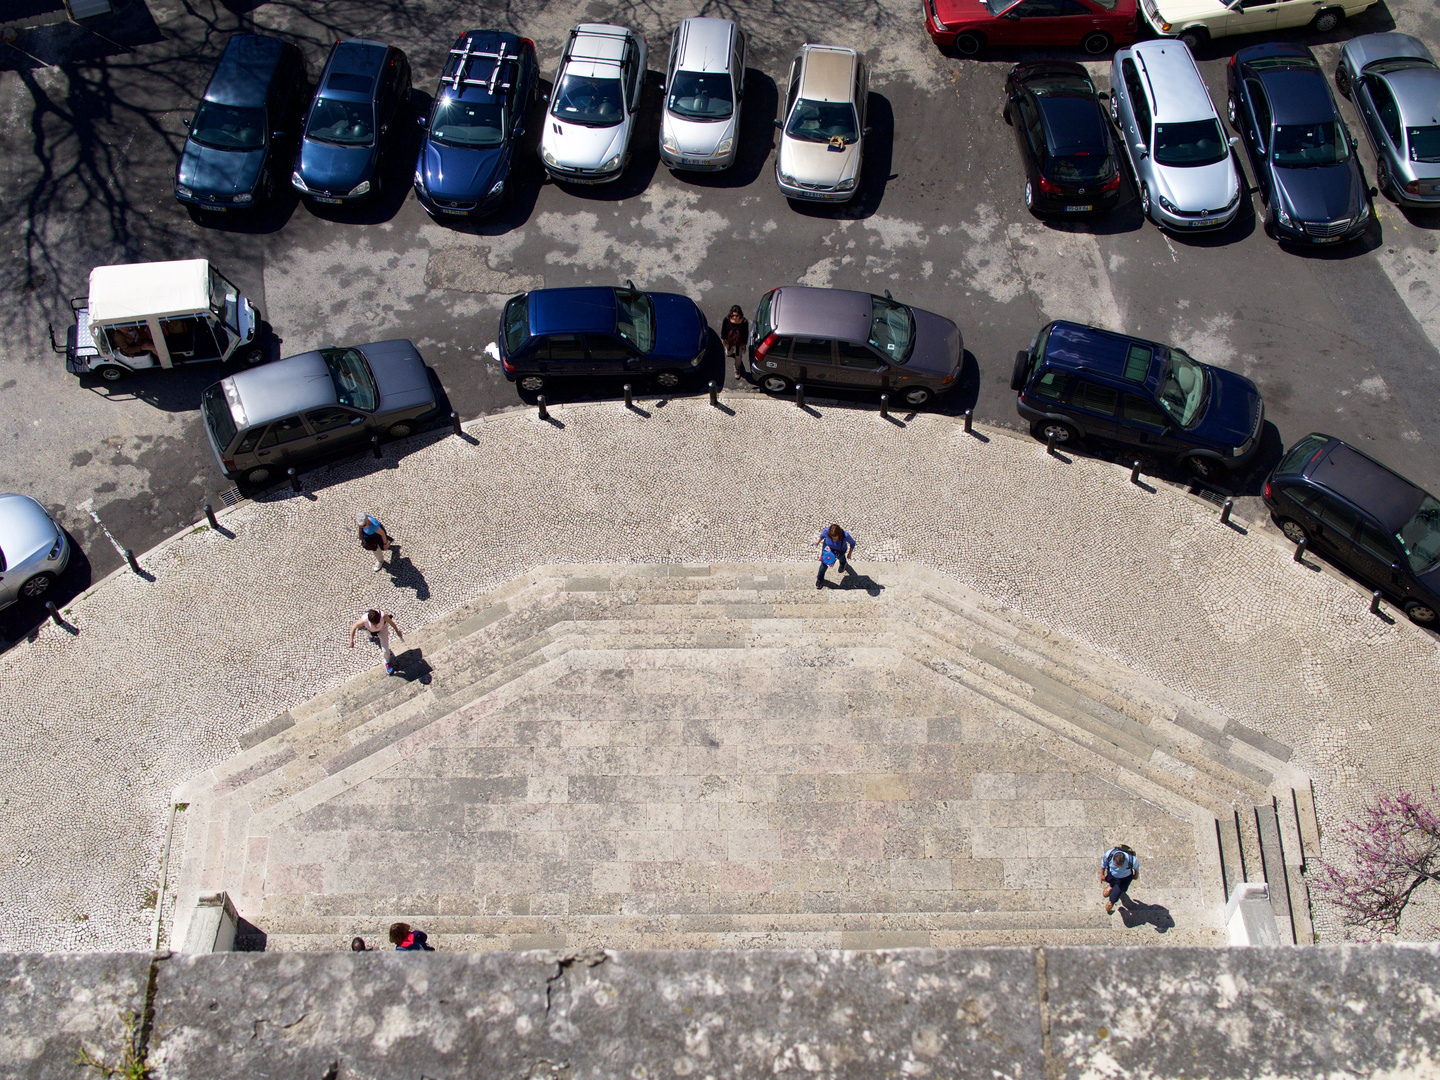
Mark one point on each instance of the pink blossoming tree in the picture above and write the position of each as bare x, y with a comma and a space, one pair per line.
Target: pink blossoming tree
1392, 851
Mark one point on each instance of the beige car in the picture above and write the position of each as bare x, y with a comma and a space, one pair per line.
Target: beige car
822, 133
1197, 21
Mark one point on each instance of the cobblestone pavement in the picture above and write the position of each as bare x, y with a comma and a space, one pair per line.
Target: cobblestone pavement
157, 679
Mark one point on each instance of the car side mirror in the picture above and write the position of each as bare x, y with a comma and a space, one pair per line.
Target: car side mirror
186, 121
866, 130
1374, 191
1354, 143
1013, 16
1102, 96
277, 134
1142, 151
1395, 566
1234, 140
422, 121
778, 124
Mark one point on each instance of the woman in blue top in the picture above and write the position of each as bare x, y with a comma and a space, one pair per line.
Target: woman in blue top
835, 545
373, 537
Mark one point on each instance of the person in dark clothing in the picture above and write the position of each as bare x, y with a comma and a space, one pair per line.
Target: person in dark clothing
835, 546
1118, 869
407, 940
734, 332
357, 944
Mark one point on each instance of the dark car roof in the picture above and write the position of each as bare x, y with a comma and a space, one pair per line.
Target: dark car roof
1368, 484
1297, 96
807, 311
572, 311
353, 60
242, 77
1072, 124
482, 67
1037, 69
1102, 351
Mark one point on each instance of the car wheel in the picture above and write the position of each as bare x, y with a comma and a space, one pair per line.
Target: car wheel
1097, 43
110, 373
267, 188
531, 384
1342, 80
1294, 531
775, 384
1193, 38
1326, 21
400, 430
1206, 468
258, 475
1230, 110
915, 396
1420, 614
667, 380
1382, 177
1145, 201
969, 44
1114, 110
253, 354
37, 586
1029, 196
1063, 433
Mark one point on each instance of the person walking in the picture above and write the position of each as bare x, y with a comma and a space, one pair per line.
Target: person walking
378, 625
373, 537
734, 333
1118, 869
835, 546
357, 944
407, 940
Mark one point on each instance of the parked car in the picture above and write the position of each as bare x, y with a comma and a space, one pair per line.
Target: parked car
1301, 152
1081, 382
244, 130
1393, 80
970, 26
1369, 519
835, 338
33, 549
359, 102
704, 89
1071, 164
554, 334
473, 132
1197, 21
1171, 132
267, 419
598, 88
822, 133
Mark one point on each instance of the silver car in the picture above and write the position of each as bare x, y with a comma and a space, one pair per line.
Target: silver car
1182, 162
704, 85
822, 135
1393, 80
33, 549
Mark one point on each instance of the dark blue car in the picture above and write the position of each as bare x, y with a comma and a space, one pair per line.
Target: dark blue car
359, 101
476, 125
244, 130
1300, 150
563, 333
1077, 382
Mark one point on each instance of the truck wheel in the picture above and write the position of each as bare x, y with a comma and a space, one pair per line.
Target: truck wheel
110, 373
252, 354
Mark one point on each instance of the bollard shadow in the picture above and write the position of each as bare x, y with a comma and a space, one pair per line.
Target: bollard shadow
1238, 528
222, 530
1386, 619
406, 575
1149, 489
1133, 914
894, 420
811, 411
720, 405
1058, 456
144, 575
642, 412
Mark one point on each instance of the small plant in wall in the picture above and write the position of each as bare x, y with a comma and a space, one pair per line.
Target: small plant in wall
1390, 855
131, 1065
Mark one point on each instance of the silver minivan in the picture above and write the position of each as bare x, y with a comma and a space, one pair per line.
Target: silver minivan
1178, 152
704, 86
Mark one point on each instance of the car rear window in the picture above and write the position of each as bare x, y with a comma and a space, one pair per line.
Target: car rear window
1424, 143
1299, 455
515, 324
763, 326
348, 83
217, 415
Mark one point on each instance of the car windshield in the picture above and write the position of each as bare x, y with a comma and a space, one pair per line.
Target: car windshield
823, 122
228, 127
1191, 144
635, 318
225, 300
354, 385
216, 408
468, 123
345, 123
892, 329
515, 324
1424, 143
1305, 146
1421, 537
1184, 389
698, 95
593, 102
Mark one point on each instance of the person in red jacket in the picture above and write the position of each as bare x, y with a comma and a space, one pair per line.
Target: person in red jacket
407, 940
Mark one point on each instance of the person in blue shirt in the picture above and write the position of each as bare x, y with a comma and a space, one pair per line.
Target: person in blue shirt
835, 546
373, 537
1118, 869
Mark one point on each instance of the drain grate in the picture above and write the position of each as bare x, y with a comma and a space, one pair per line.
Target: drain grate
230, 496
1208, 495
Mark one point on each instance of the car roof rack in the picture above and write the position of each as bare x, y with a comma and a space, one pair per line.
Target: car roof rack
466, 55
623, 35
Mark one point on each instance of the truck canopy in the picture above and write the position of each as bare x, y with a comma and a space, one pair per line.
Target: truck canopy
141, 290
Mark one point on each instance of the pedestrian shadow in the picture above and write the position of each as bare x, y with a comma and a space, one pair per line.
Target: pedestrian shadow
412, 666
852, 580
406, 575
1133, 914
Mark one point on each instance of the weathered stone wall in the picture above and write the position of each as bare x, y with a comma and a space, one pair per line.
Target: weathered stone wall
1015, 1013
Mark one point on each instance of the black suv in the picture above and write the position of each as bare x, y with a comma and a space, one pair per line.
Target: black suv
1375, 523
1078, 382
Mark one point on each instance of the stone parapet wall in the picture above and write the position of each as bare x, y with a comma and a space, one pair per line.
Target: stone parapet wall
1352, 1010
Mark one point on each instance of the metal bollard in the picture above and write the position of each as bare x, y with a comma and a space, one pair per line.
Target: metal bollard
629, 397
1375, 602
1135, 473
55, 612
544, 412
375, 446
969, 419
294, 480
1051, 441
1300, 550
1225, 511
885, 406
130, 558
210, 518
714, 393
455, 422
800, 394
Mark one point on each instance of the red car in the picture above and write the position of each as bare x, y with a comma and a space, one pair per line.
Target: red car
968, 26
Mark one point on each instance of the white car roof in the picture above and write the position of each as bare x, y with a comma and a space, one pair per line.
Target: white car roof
140, 290
705, 45
596, 51
1175, 82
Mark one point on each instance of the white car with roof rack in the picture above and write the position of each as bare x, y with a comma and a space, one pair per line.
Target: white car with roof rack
596, 95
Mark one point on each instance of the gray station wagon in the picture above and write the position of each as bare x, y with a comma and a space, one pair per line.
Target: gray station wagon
296, 410
834, 338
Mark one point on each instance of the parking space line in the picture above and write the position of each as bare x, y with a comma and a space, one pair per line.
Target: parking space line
89, 507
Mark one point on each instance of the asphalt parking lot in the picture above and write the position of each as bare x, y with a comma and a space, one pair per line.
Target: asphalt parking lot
1343, 341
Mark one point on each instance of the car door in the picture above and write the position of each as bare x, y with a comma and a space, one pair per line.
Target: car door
1376, 558
861, 366
737, 72
336, 427
1295, 12
814, 361
1094, 406
633, 81
564, 354
1144, 425
1381, 115
1255, 131
1027, 125
609, 355
1249, 17
1335, 524
284, 441
1136, 124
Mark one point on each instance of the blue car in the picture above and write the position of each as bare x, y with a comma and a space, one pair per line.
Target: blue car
554, 334
471, 136
359, 101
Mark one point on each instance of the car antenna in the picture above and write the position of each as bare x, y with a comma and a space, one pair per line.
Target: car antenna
888, 296
631, 284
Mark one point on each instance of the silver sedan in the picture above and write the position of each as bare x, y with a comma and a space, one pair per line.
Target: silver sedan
1395, 85
33, 549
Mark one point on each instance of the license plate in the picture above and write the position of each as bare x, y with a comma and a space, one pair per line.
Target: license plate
324, 199
1079, 209
450, 210
694, 161
1200, 223
211, 209
1325, 239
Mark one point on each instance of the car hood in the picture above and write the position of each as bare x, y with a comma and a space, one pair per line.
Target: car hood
1173, 11
816, 163
1368, 48
25, 529
335, 169
697, 139
399, 374
208, 171
679, 327
1233, 410
937, 345
1324, 193
579, 147
456, 172
1204, 187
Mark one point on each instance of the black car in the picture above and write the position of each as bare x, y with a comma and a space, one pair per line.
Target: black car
1064, 138
1080, 382
359, 101
243, 132
1374, 522
473, 132
1301, 152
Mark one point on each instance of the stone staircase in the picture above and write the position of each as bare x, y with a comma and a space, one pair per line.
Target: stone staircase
1275, 842
668, 756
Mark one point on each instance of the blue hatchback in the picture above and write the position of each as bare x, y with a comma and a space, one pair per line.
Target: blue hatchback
564, 333
478, 120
